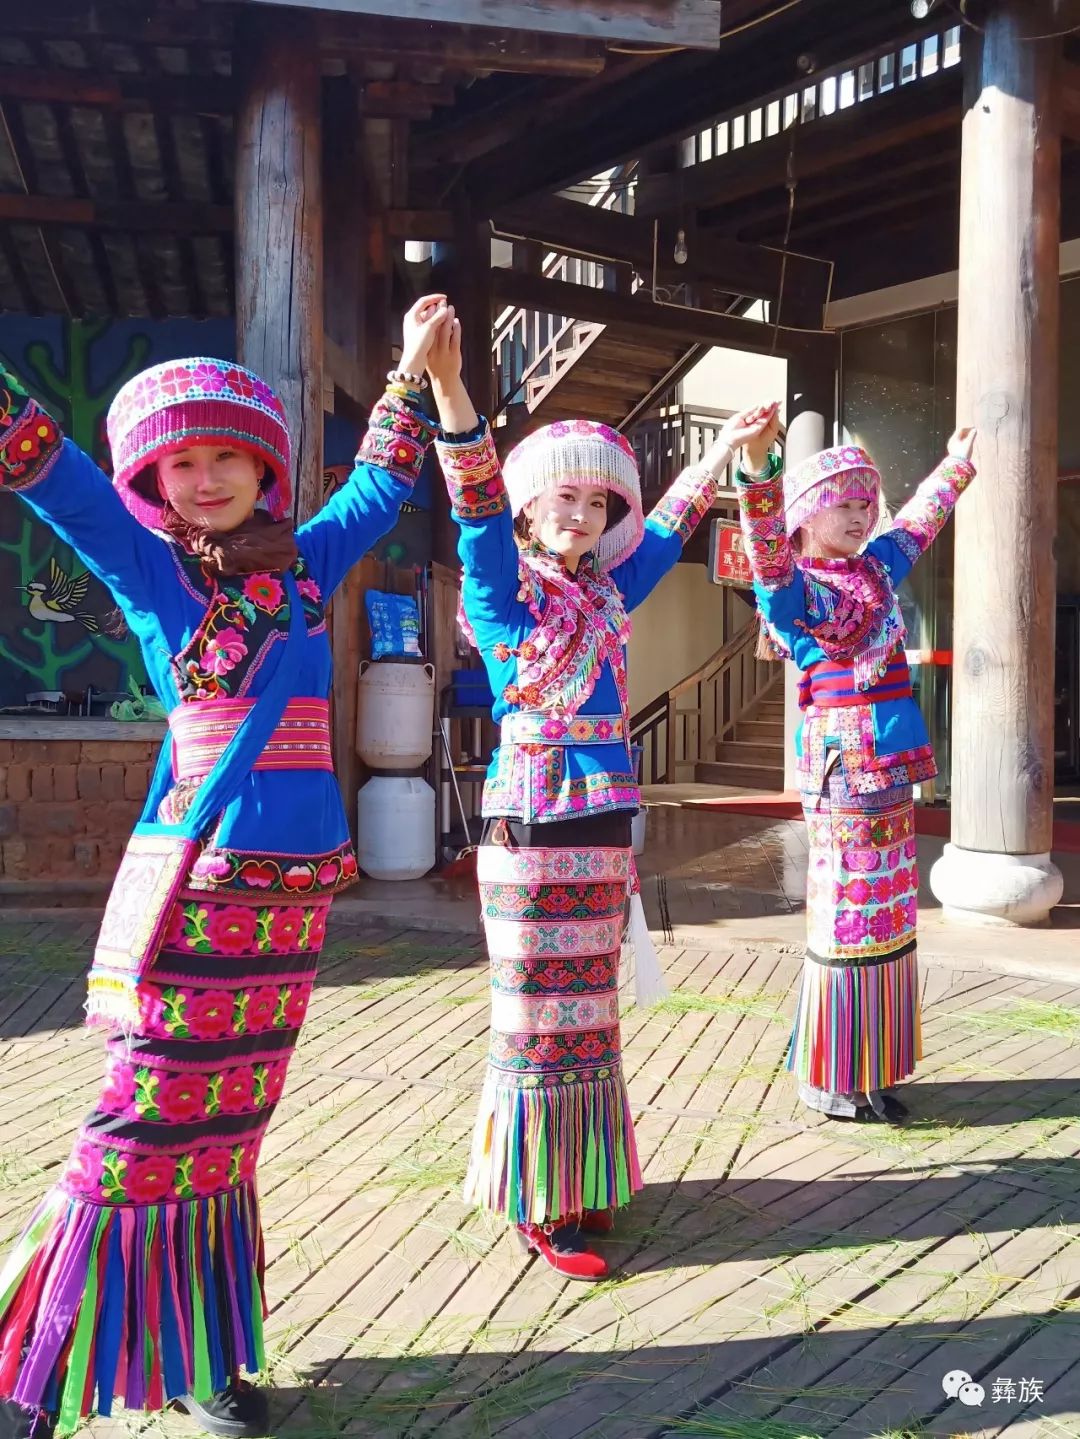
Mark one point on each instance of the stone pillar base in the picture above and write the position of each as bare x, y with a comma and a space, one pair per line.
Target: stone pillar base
1005, 889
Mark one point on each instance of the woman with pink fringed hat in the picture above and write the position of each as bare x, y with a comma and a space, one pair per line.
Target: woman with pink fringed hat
140, 1275
827, 599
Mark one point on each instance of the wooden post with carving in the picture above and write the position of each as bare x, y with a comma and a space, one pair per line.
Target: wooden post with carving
279, 230
997, 867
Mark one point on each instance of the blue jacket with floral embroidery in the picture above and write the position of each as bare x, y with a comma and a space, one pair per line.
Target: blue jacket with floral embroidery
554, 643
203, 637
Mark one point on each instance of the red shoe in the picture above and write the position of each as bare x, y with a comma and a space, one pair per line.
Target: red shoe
561, 1248
598, 1221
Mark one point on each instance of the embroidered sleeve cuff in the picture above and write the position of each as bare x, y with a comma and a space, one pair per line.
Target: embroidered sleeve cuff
761, 512
924, 516
686, 503
473, 476
30, 439
397, 439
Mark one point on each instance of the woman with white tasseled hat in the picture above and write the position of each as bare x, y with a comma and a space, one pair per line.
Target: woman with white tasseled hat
556, 552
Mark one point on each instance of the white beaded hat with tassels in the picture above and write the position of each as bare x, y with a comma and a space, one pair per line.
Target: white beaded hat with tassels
580, 452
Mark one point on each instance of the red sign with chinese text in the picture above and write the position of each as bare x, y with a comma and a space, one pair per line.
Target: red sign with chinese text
728, 561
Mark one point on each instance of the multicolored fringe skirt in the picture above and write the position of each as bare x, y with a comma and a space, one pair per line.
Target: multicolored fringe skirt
140, 1276
554, 1136
857, 1024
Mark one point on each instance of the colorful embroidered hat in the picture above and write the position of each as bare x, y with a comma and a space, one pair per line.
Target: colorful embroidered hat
582, 453
195, 402
831, 477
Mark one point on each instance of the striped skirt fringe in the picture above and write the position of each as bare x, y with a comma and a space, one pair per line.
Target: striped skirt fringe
554, 1135
857, 1025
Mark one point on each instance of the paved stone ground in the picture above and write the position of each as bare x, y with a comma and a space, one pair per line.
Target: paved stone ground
781, 1275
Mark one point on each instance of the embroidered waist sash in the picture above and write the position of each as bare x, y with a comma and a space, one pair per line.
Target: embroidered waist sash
536, 727
831, 686
202, 729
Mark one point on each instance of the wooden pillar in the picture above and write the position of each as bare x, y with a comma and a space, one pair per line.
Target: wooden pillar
811, 417
462, 269
997, 867
279, 230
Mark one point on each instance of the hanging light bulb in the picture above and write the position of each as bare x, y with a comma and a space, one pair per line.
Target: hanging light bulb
682, 254
921, 8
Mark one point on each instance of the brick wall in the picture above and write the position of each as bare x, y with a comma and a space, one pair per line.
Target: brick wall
67, 805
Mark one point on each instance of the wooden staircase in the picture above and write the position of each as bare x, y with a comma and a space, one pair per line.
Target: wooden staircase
754, 757
613, 374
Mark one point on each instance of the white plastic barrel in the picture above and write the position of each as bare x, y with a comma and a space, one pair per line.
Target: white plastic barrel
395, 820
395, 714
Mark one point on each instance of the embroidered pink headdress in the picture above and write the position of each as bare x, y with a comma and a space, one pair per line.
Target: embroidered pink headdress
831, 477
195, 402
579, 452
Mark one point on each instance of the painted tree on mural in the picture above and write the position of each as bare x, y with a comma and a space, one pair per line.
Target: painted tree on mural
57, 634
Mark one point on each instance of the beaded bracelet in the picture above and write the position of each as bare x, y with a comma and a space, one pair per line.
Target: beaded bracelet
403, 377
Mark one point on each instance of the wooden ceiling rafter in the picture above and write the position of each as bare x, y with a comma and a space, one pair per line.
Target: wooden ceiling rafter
632, 313
677, 95
750, 270
22, 151
686, 24
908, 116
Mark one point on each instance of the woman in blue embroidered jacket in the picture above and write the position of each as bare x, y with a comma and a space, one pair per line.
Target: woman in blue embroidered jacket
828, 601
554, 1146
140, 1275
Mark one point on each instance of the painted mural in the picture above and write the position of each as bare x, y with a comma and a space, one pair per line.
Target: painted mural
60, 632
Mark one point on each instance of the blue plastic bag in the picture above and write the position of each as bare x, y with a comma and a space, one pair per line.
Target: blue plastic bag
395, 624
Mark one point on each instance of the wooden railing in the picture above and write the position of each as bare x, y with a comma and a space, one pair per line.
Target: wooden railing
853, 82
677, 437
683, 727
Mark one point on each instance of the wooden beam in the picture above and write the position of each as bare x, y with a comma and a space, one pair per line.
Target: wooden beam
452, 47
498, 123
676, 95
741, 269
279, 233
911, 115
133, 21
674, 321
189, 94
136, 215
693, 24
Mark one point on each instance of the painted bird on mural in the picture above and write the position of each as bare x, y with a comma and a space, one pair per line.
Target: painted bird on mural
56, 602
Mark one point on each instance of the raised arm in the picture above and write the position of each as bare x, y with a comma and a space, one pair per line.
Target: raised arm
917, 525
366, 507
478, 498
685, 505
64, 487
387, 465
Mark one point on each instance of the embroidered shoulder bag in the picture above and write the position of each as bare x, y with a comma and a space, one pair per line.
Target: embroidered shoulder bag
158, 857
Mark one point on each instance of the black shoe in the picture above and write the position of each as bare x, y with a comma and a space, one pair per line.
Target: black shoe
239, 1412
19, 1423
893, 1110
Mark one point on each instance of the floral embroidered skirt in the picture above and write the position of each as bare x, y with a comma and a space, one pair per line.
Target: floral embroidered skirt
140, 1275
554, 1136
857, 1024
